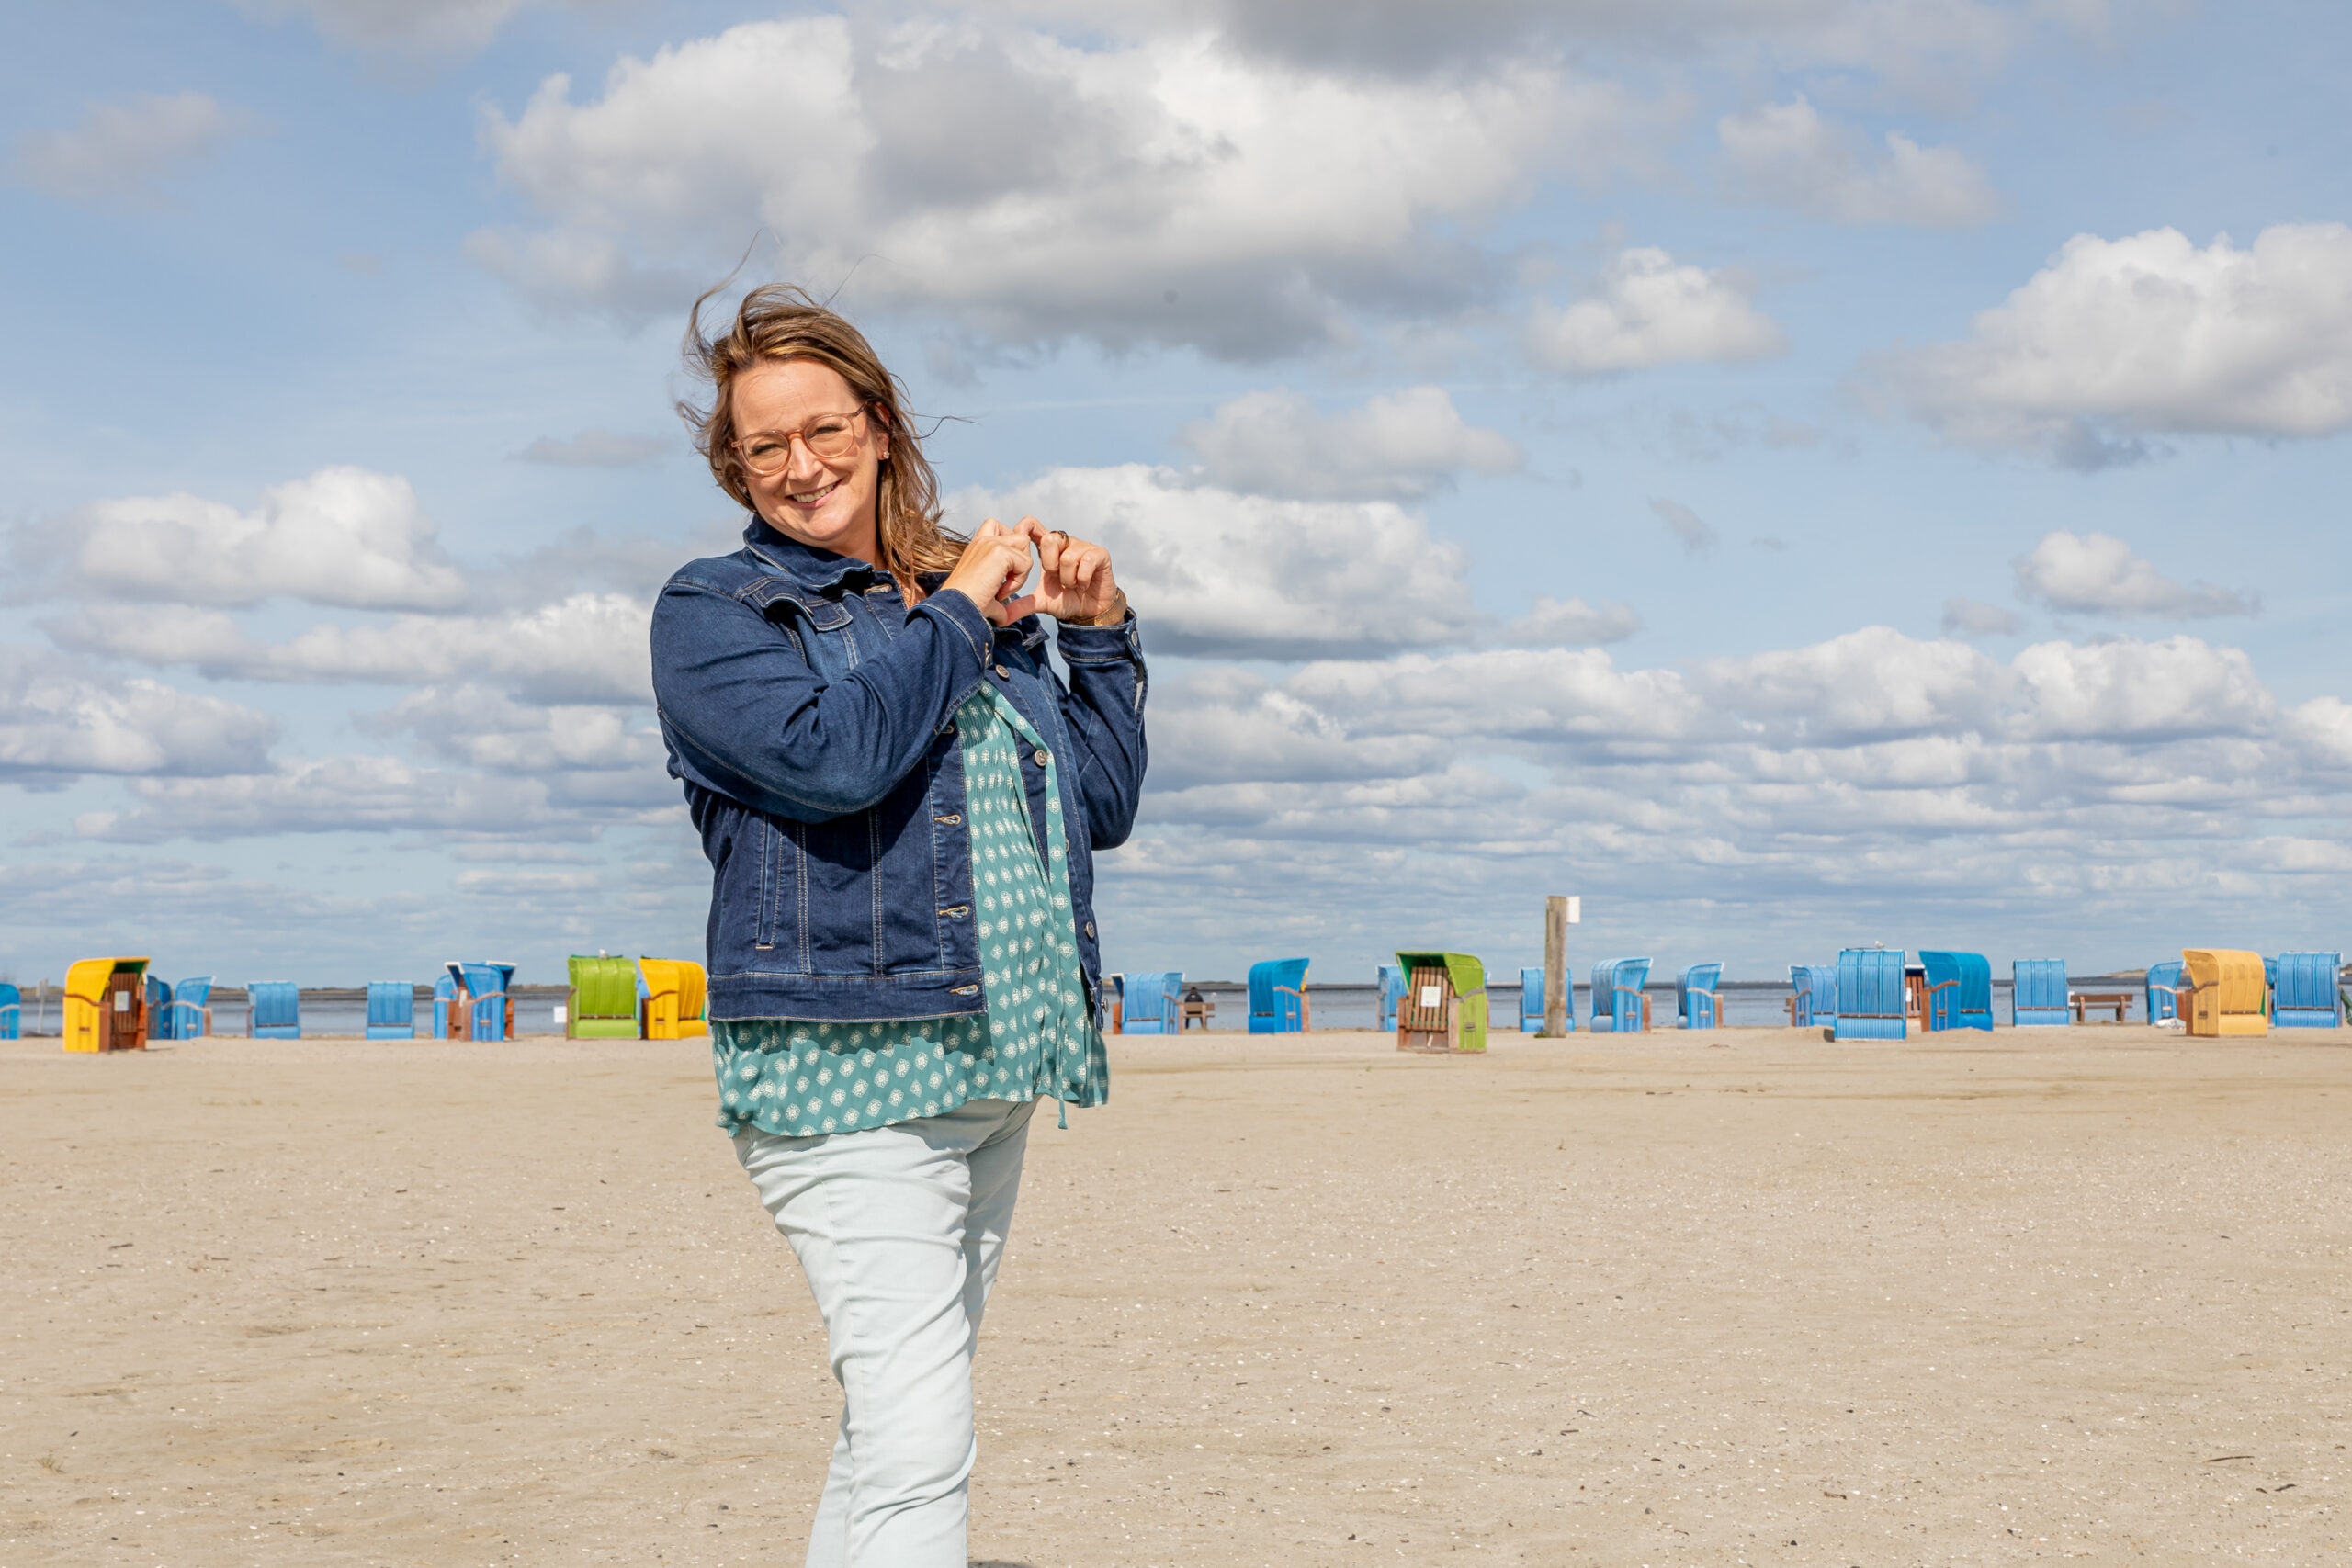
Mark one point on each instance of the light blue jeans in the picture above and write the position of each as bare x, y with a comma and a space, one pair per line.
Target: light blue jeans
899, 1230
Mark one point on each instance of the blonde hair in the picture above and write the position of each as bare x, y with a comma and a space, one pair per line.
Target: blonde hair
780, 322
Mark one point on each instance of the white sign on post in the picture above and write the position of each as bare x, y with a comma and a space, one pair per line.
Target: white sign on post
1576, 909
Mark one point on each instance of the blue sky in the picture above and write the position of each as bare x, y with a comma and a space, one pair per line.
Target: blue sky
1792, 472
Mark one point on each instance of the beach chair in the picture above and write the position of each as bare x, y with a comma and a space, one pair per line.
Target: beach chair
1869, 995
2305, 995
273, 1010
1694, 995
12, 1011
489, 1011
2165, 983
1151, 1002
187, 1010
1444, 1005
1813, 995
675, 992
450, 1019
1960, 991
106, 1005
602, 1001
2038, 992
159, 1008
1620, 1005
2227, 994
1392, 994
1531, 1001
391, 1009
1278, 997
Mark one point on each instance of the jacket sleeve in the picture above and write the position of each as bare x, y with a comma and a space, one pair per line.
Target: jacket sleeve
1104, 708
745, 714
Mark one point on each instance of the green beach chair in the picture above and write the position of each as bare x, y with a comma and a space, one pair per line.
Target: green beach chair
604, 1000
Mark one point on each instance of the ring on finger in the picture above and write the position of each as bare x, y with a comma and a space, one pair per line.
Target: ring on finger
1061, 534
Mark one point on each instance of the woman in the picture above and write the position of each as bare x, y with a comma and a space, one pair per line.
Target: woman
900, 801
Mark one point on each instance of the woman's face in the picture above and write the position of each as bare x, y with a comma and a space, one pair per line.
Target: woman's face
824, 501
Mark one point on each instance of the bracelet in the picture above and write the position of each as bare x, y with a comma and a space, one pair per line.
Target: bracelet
1113, 613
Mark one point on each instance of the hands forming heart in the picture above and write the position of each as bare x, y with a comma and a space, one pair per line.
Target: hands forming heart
1074, 577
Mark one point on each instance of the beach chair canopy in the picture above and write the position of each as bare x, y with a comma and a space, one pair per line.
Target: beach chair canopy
1392, 991
486, 982
1151, 998
12, 1011
1869, 995
274, 1010
1530, 1001
2228, 992
1616, 979
1278, 996
2163, 983
673, 999
2038, 991
2303, 995
1960, 990
1694, 994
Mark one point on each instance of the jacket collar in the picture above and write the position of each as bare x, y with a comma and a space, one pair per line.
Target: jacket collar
818, 570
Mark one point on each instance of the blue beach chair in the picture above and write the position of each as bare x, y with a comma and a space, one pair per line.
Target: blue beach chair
273, 1010
391, 1009
1960, 991
1151, 1002
1618, 1005
2038, 992
12, 1011
486, 982
159, 1008
1870, 995
1392, 993
1278, 997
2305, 996
2165, 982
445, 1002
1531, 1001
1813, 995
189, 1013
1694, 995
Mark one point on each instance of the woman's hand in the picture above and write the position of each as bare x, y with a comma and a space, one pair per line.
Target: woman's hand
1074, 582
994, 565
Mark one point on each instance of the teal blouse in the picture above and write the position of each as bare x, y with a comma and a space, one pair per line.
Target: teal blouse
797, 1078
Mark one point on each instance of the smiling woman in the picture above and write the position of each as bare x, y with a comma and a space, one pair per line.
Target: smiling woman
900, 801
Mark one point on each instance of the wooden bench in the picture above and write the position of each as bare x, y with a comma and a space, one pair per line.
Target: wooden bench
2083, 1001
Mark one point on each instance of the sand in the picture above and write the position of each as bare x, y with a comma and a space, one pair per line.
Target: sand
1734, 1297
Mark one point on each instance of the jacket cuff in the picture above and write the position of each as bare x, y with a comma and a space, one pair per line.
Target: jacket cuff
1122, 641
951, 606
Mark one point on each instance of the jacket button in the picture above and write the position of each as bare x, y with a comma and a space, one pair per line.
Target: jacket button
1003, 674
1044, 756
1089, 928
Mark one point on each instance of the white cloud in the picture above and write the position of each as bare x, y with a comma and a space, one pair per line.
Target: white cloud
342, 537
120, 149
1163, 191
1253, 576
1965, 617
1398, 447
2117, 341
1789, 154
1572, 622
594, 448
2096, 574
1646, 309
482, 727
58, 720
1693, 533
586, 649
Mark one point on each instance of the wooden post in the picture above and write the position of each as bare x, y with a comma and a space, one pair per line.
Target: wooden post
1555, 968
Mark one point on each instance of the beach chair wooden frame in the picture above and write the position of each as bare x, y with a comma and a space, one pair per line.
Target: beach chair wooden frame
1443, 1009
2228, 994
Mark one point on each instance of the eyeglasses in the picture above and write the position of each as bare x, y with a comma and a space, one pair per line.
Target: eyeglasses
826, 438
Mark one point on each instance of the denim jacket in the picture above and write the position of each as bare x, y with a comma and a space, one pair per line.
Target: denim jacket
811, 717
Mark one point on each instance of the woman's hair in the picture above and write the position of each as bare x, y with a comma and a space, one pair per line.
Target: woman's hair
781, 322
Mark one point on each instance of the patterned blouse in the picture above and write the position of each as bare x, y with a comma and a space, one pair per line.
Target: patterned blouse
797, 1078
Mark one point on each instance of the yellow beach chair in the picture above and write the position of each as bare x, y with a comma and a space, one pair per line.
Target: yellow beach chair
2227, 993
106, 1005
673, 999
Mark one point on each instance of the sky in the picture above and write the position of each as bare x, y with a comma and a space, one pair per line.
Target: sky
1794, 473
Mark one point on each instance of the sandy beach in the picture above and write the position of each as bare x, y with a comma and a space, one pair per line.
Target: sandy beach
1732, 1297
